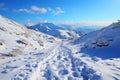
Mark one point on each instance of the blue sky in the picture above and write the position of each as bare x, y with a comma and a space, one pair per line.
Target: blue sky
99, 12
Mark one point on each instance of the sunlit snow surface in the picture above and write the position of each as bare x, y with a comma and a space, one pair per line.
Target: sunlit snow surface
104, 43
43, 57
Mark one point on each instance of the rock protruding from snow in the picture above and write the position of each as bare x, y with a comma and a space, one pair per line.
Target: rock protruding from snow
103, 43
15, 39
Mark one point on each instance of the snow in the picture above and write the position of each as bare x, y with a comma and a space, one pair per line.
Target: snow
11, 32
69, 34
54, 30
30, 55
104, 41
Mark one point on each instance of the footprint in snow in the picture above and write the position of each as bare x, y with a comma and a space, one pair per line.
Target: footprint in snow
4, 72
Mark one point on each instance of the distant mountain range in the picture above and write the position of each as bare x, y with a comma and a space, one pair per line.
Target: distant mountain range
63, 31
81, 29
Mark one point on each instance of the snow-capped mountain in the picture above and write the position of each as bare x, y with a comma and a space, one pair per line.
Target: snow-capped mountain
54, 30
103, 43
26, 54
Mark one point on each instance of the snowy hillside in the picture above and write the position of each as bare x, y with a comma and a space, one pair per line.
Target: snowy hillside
19, 46
54, 30
30, 55
15, 39
104, 43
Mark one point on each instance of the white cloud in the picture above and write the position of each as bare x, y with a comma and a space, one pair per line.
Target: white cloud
45, 21
55, 11
38, 9
34, 9
87, 23
49, 9
58, 11
24, 10
96, 23
29, 23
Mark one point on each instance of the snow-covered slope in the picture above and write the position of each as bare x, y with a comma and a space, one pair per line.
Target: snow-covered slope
104, 43
15, 39
54, 30
29, 55
69, 64
20, 48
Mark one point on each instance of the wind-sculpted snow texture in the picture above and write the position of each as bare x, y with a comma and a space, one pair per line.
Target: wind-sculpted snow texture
29, 55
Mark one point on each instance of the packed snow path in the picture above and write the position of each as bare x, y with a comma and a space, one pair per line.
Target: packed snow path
59, 62
19, 68
68, 64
